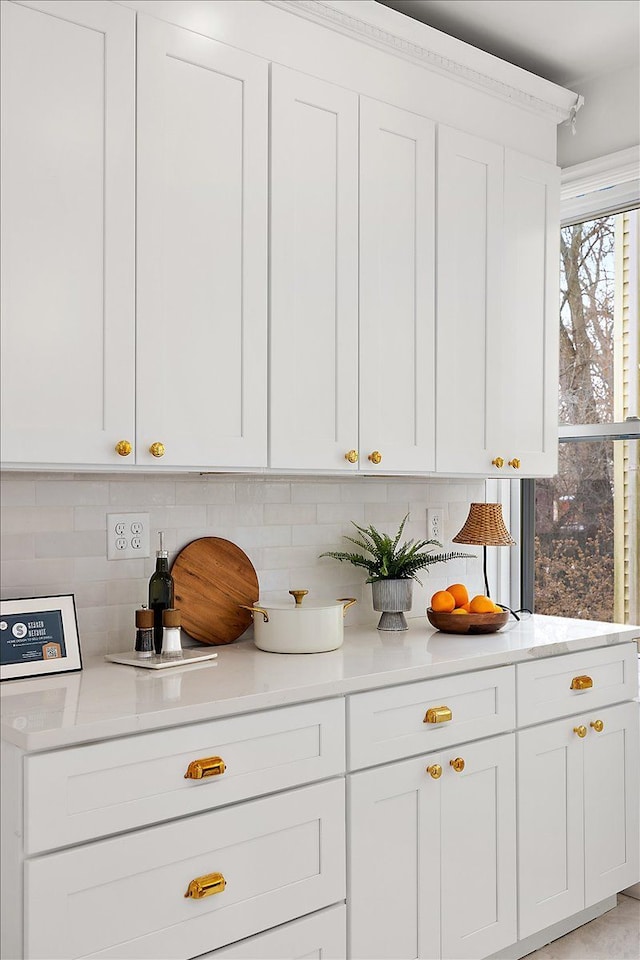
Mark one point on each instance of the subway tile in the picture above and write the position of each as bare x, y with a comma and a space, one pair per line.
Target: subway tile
315, 492
284, 558
267, 536
17, 493
192, 515
72, 493
142, 494
263, 491
43, 572
92, 518
204, 491
36, 519
341, 513
274, 580
99, 568
376, 513
293, 513
327, 535
363, 491
407, 490
91, 543
18, 546
236, 515
92, 594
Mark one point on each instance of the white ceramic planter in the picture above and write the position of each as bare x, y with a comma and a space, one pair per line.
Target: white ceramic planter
300, 628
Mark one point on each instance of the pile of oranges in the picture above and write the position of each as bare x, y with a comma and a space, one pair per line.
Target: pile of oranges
455, 599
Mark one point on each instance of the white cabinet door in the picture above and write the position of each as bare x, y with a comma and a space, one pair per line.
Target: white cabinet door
469, 297
611, 808
432, 861
578, 814
68, 178
314, 273
522, 394
550, 820
478, 850
397, 267
202, 234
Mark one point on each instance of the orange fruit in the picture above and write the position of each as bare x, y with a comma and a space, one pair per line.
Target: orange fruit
481, 604
442, 601
497, 609
461, 610
459, 593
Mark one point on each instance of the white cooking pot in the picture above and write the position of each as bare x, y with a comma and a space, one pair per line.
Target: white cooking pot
309, 628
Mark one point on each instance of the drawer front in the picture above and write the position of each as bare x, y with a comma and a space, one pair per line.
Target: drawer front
281, 857
607, 675
390, 724
322, 936
87, 792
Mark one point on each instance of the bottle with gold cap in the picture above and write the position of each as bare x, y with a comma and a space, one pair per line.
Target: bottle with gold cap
144, 633
171, 645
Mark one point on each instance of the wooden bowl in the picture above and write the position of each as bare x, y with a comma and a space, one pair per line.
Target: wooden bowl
467, 623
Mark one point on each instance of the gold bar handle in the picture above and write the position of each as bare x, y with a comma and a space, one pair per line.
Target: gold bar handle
348, 602
581, 683
437, 715
206, 886
255, 610
208, 767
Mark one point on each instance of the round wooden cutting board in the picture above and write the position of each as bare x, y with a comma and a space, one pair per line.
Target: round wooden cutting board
211, 578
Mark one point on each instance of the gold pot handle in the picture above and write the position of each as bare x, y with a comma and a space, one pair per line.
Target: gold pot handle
348, 602
255, 610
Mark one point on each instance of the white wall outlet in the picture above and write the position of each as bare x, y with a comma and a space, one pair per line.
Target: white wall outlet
435, 523
128, 536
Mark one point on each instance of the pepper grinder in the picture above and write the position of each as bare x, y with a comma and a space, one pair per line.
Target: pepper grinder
171, 645
144, 633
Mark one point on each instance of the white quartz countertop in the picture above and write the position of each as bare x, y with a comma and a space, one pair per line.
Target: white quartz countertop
109, 700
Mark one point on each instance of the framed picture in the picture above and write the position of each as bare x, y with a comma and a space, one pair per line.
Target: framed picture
38, 636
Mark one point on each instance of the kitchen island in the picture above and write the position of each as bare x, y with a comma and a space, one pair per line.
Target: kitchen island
476, 792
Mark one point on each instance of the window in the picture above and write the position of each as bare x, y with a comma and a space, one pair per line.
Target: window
581, 527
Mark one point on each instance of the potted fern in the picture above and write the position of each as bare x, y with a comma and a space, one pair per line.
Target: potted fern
392, 568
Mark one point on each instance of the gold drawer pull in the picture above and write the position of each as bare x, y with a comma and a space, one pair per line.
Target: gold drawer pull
434, 770
208, 767
123, 448
437, 715
375, 457
457, 764
498, 462
581, 731
598, 725
351, 456
581, 683
206, 886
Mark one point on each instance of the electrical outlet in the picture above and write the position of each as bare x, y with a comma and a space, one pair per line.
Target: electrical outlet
127, 536
435, 523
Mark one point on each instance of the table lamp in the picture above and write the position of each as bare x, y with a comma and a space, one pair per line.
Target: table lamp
485, 527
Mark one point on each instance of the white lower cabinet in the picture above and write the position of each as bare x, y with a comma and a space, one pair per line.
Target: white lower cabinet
578, 813
321, 936
432, 854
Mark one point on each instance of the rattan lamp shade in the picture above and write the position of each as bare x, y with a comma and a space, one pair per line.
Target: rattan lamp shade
485, 527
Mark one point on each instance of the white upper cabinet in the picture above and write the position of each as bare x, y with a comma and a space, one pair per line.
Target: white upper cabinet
68, 180
201, 250
314, 273
498, 262
397, 214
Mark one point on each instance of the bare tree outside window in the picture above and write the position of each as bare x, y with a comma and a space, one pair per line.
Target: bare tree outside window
579, 512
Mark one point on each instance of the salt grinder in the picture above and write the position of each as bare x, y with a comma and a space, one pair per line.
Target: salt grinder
171, 645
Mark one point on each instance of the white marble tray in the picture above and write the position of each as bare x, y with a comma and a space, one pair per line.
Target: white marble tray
157, 663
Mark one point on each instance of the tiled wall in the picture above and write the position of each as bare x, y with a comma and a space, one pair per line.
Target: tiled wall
54, 536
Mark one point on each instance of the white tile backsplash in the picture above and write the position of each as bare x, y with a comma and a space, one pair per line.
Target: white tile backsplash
54, 536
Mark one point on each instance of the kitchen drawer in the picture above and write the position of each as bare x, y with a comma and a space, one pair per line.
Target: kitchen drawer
322, 935
281, 857
544, 686
82, 793
390, 724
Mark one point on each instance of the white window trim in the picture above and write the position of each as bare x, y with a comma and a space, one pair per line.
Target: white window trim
597, 187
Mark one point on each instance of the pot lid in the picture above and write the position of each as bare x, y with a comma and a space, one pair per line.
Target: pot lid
299, 596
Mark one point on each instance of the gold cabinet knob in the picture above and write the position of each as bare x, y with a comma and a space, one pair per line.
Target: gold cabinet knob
457, 764
351, 456
581, 683
157, 449
437, 715
206, 886
498, 462
434, 770
598, 725
207, 767
515, 463
123, 448
581, 731
375, 457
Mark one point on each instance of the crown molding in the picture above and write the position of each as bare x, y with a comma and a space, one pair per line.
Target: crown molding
365, 31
